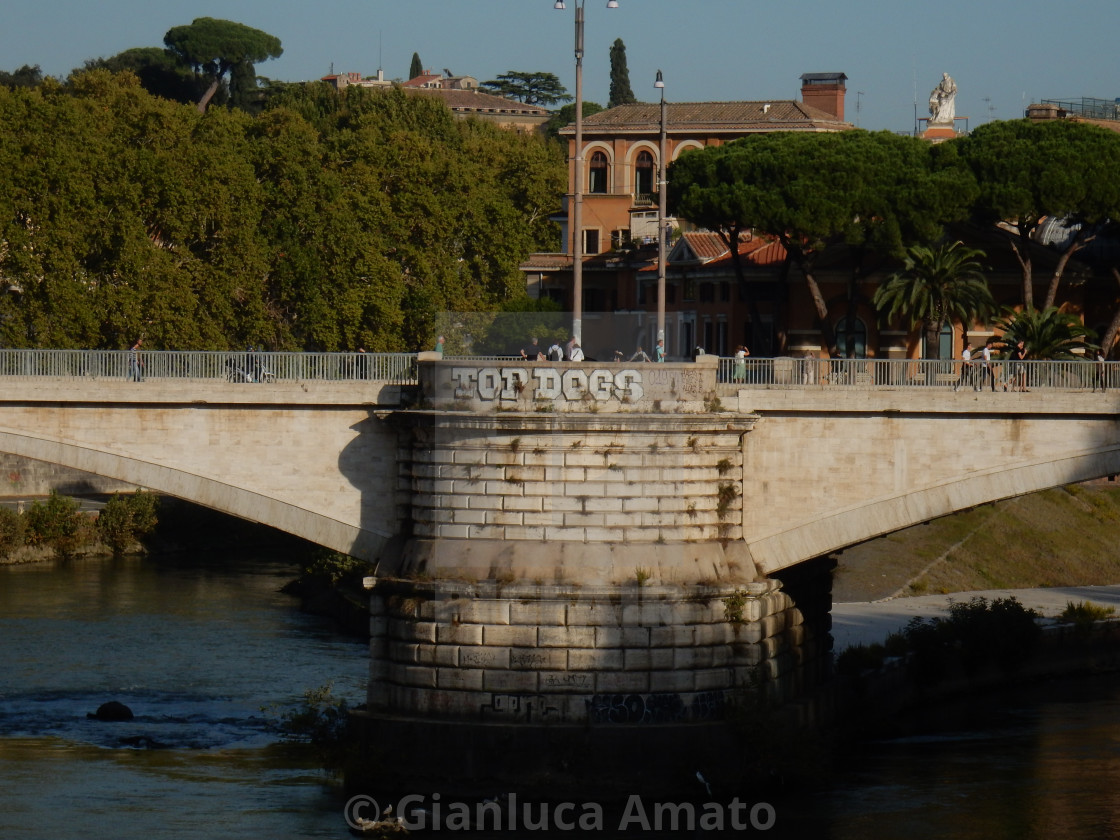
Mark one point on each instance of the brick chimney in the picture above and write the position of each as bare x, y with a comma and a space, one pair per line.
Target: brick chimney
824, 91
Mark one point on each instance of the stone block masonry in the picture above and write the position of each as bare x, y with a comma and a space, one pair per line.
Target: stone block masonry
580, 564
603, 655
567, 498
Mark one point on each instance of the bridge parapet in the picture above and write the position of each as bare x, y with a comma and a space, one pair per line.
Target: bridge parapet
568, 387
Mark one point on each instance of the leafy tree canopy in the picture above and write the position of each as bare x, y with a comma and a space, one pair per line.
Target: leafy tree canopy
530, 88
25, 76
332, 220
1027, 171
565, 116
215, 47
161, 72
813, 190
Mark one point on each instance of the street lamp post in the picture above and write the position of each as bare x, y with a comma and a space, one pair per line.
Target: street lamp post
577, 194
661, 215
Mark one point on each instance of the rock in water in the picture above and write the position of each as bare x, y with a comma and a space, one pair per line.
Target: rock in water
113, 710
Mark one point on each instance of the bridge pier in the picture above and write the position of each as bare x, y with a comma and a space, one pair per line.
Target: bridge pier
576, 565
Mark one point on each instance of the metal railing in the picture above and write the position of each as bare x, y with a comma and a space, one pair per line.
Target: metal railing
1100, 109
787, 372
245, 366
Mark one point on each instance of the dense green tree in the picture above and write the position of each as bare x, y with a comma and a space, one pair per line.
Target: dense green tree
160, 71
330, 221
25, 76
216, 47
811, 191
620, 93
530, 88
1029, 171
416, 68
565, 116
938, 284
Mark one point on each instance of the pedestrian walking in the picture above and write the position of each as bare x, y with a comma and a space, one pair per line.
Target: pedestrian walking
966, 367
135, 362
1018, 375
986, 372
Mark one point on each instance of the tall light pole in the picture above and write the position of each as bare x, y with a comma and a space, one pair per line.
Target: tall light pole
661, 215
577, 195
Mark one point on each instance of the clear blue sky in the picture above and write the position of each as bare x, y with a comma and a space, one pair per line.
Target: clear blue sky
1002, 54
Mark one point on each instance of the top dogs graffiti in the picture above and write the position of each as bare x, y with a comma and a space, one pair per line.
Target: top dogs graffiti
489, 384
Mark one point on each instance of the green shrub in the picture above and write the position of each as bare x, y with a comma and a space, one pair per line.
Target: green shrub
12, 531
333, 568
321, 720
976, 633
1084, 615
126, 519
58, 524
856, 659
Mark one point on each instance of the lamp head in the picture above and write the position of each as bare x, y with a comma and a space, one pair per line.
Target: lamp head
559, 4
660, 83
613, 4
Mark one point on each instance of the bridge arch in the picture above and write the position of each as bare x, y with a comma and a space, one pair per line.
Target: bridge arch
314, 460
871, 464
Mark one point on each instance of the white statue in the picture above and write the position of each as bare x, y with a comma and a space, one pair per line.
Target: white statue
942, 101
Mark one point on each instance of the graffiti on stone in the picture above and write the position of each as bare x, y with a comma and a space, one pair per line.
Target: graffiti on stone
655, 708
527, 659
496, 384
523, 707
567, 680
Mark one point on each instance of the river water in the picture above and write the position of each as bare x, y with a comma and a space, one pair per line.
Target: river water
196, 646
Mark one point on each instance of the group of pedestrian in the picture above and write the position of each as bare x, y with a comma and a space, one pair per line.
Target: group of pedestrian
569, 352
1017, 372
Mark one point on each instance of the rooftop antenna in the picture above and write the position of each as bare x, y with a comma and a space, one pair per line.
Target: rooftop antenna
859, 93
915, 71
379, 64
991, 107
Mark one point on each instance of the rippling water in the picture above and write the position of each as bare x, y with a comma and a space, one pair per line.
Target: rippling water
205, 651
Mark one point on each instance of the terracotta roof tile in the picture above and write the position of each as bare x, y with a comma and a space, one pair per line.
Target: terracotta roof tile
546, 261
705, 245
476, 101
740, 117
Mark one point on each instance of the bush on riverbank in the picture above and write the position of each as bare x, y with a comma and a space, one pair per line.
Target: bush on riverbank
13, 531
58, 527
977, 634
127, 519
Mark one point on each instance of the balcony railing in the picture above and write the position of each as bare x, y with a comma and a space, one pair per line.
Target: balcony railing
1097, 109
244, 366
871, 374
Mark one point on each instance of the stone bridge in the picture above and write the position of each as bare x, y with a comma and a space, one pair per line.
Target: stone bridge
574, 545
317, 459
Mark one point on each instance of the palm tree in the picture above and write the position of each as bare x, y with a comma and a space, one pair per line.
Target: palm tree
1048, 333
938, 284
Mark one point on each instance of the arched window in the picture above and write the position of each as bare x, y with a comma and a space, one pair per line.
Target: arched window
643, 177
858, 335
597, 174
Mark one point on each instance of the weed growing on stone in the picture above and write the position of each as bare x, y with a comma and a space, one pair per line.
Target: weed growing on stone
733, 606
